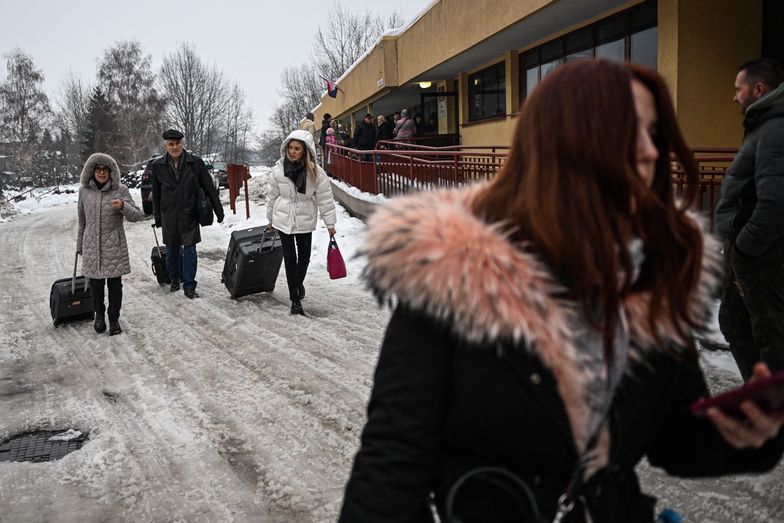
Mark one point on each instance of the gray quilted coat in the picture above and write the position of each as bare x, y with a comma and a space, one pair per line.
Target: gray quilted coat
101, 238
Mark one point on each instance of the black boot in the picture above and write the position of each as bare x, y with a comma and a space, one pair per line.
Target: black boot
114, 328
191, 294
175, 286
100, 323
296, 308
301, 291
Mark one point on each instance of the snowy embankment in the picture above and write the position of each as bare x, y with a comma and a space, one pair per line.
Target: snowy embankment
218, 409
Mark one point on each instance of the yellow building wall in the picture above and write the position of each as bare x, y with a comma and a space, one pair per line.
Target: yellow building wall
452, 26
491, 132
372, 76
701, 45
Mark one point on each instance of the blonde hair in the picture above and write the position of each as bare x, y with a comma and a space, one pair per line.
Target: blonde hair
310, 162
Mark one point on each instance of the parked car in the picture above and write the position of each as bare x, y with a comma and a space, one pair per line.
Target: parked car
220, 174
146, 186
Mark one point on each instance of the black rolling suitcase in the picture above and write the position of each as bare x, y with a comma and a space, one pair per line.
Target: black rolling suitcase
252, 261
158, 261
71, 299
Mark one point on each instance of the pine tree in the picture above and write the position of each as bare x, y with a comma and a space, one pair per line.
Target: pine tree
101, 129
43, 167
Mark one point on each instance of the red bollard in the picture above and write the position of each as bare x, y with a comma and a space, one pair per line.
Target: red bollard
238, 175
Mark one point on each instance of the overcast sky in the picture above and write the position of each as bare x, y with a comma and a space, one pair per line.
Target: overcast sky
250, 40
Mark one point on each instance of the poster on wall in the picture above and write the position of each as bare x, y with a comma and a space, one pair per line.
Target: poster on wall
441, 103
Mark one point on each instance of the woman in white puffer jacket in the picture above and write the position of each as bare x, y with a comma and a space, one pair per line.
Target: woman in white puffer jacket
299, 191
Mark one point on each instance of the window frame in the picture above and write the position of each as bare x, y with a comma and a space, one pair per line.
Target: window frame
500, 93
532, 56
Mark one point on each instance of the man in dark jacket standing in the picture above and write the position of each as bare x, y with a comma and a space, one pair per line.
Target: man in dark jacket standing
750, 221
365, 136
175, 177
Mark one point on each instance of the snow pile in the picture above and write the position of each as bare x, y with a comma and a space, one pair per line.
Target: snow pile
6, 210
257, 185
68, 435
356, 193
47, 197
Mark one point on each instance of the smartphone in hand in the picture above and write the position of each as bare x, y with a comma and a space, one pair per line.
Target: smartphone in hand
768, 394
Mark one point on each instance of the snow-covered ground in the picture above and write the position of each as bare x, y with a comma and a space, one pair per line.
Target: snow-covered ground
218, 409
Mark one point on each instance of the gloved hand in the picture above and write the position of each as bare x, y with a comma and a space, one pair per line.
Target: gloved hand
220, 218
157, 224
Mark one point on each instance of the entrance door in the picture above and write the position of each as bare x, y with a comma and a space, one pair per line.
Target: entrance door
439, 114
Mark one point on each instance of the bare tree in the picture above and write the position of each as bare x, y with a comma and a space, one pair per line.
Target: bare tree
238, 127
24, 104
125, 74
196, 97
343, 38
72, 102
346, 36
301, 90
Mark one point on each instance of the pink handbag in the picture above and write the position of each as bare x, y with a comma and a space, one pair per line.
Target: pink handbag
335, 264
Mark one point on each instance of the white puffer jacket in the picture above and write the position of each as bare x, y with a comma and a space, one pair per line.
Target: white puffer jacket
292, 212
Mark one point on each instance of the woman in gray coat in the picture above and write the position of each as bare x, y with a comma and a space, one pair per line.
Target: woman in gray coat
103, 203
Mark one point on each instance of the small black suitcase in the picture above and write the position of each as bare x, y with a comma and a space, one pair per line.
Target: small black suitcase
71, 299
252, 261
158, 264
158, 261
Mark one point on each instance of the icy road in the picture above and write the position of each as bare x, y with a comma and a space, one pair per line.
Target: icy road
218, 409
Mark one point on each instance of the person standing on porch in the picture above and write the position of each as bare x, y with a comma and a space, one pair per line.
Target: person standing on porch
750, 221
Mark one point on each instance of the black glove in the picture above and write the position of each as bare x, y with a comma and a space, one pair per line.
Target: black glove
220, 218
157, 224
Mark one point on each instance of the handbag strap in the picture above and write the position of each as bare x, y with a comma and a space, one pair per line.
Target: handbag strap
568, 499
499, 477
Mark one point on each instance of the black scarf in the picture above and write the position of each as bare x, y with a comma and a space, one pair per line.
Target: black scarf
296, 172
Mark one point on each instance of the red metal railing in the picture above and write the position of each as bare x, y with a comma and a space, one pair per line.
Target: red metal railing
392, 172
712, 163
397, 168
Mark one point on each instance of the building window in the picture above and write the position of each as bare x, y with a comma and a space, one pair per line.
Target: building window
631, 35
487, 92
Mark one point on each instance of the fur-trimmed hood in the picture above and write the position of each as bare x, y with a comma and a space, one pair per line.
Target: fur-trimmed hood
104, 159
430, 252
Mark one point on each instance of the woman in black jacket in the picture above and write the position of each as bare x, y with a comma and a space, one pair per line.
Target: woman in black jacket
552, 305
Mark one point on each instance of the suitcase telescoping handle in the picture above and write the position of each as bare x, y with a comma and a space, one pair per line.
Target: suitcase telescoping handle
264, 237
156, 241
73, 279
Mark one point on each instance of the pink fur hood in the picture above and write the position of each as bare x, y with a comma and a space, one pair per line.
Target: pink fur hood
432, 253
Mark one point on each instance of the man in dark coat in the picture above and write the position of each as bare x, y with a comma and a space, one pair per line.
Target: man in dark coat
175, 177
750, 220
365, 136
325, 123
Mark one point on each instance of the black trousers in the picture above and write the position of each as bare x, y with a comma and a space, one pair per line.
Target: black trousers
296, 258
751, 315
115, 296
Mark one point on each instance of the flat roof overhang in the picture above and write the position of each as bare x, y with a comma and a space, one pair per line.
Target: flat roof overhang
552, 19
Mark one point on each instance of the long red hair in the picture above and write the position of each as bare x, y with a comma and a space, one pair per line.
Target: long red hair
570, 189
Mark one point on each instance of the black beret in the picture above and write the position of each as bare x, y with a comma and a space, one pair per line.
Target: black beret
173, 134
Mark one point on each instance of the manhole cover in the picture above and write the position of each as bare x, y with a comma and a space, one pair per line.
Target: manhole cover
42, 445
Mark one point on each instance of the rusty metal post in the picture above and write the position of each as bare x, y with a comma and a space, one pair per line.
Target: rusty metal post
232, 188
246, 175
